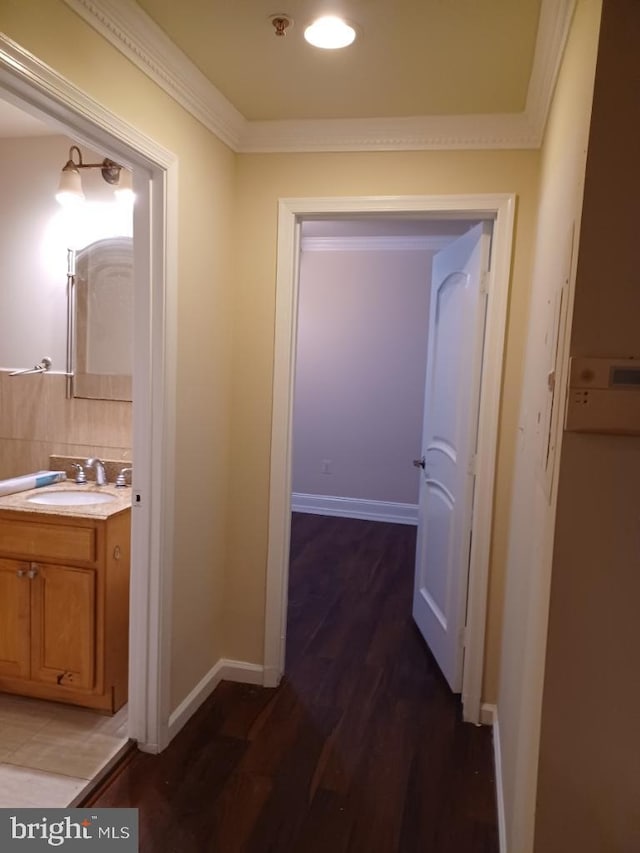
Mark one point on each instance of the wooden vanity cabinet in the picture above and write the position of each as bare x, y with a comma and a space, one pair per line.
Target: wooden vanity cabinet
15, 620
63, 626
64, 607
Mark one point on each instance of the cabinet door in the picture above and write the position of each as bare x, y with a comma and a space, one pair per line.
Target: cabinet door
63, 631
14, 619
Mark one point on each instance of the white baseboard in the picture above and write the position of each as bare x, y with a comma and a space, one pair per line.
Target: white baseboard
242, 671
224, 670
271, 676
398, 513
487, 714
489, 717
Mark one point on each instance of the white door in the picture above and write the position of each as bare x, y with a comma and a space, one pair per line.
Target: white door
456, 340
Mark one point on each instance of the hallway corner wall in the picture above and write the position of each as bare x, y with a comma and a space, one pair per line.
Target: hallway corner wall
530, 540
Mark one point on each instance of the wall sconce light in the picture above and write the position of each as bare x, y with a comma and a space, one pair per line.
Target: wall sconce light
124, 190
70, 186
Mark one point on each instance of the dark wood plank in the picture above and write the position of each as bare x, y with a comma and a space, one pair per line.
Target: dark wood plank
360, 750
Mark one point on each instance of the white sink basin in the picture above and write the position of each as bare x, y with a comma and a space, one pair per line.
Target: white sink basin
71, 498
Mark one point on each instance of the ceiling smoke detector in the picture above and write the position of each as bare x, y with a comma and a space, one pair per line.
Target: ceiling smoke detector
281, 23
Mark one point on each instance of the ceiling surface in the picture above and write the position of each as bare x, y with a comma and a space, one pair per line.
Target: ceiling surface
411, 57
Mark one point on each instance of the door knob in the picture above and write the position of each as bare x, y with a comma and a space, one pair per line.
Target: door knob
419, 463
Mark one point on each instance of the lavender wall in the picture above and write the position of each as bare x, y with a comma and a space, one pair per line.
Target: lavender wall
362, 343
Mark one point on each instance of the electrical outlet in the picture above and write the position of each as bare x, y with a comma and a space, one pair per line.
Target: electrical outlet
326, 466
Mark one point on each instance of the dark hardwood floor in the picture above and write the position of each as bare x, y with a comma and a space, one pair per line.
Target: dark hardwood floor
360, 750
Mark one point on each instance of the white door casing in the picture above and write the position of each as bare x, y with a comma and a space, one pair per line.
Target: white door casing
498, 208
450, 424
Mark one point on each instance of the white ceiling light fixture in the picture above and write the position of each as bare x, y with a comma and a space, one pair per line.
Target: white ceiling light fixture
330, 33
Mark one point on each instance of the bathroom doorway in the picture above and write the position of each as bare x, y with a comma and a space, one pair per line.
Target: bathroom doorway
28, 86
67, 297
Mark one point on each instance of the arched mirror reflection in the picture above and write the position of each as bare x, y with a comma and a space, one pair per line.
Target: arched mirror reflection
103, 320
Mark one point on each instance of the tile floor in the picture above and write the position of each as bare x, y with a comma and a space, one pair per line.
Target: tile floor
50, 752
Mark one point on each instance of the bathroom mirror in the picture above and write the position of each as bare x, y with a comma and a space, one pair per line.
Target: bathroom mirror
103, 320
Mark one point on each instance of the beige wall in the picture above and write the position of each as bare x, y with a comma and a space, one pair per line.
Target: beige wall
528, 567
51, 31
262, 180
590, 741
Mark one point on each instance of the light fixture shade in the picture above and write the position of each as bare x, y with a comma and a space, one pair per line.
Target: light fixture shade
70, 186
330, 33
124, 189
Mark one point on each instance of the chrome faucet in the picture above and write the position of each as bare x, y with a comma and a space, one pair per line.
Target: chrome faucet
121, 479
98, 464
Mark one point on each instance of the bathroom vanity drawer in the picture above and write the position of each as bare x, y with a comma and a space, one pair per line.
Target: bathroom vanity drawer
48, 541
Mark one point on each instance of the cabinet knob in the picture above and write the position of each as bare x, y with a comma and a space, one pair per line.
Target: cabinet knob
21, 573
33, 571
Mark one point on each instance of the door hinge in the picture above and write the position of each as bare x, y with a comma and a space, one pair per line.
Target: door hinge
484, 282
463, 638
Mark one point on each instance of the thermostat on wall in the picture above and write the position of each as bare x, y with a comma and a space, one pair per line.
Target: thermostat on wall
604, 396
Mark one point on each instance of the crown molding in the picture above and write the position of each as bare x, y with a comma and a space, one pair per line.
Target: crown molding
419, 133
406, 243
138, 37
553, 31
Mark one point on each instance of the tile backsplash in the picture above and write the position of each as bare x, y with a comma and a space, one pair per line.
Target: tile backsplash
38, 421
112, 467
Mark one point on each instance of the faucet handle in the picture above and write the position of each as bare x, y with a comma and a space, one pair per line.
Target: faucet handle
81, 477
121, 479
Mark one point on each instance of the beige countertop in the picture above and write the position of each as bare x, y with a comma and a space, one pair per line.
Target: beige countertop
19, 501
